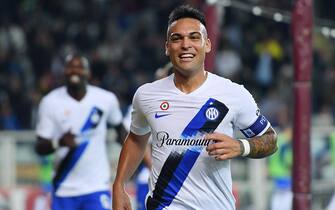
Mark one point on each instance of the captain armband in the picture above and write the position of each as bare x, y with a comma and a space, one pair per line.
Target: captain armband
257, 128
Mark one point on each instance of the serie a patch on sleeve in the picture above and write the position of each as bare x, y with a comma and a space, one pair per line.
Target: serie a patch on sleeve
256, 128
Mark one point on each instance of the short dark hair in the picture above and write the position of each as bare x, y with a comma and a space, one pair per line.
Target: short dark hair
186, 11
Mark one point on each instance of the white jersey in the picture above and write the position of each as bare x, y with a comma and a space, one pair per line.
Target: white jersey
84, 169
183, 175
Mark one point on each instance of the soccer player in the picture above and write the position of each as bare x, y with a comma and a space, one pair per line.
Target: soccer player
191, 115
72, 122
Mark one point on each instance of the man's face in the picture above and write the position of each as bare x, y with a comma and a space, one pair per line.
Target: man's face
187, 45
76, 75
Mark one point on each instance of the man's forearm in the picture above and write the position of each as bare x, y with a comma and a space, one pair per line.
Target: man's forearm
131, 155
265, 145
147, 160
44, 146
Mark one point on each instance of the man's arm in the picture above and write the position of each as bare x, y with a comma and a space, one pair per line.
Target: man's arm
147, 160
262, 146
44, 146
121, 133
131, 155
226, 147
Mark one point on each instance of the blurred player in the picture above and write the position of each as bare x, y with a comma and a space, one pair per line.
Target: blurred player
191, 115
72, 122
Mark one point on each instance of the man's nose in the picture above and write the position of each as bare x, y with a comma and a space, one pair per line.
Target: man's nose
186, 43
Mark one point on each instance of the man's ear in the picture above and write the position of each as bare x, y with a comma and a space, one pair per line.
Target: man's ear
208, 46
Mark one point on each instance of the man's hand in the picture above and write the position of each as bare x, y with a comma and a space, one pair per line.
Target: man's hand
224, 147
68, 140
121, 199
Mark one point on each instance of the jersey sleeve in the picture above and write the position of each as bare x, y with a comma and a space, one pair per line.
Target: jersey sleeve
115, 114
127, 118
45, 126
249, 119
139, 124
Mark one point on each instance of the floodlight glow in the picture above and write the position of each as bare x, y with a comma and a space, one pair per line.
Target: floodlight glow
325, 31
278, 17
332, 33
226, 3
257, 11
211, 2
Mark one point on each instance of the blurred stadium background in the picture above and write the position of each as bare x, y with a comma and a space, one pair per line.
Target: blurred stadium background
124, 41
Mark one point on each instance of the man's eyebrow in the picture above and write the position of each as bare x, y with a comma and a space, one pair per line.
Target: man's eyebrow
195, 32
191, 33
175, 34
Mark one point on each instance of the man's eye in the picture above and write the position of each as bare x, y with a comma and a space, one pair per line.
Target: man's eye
195, 37
175, 38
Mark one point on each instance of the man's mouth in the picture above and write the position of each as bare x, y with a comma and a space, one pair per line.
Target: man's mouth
74, 79
186, 56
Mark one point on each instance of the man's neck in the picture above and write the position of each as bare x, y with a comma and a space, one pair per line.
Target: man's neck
188, 84
77, 93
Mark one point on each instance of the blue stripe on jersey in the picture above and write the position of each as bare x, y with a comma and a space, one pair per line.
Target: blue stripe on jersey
178, 165
196, 124
67, 164
93, 119
179, 176
74, 154
256, 128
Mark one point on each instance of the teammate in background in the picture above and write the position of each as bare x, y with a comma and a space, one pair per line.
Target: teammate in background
280, 168
72, 122
190, 116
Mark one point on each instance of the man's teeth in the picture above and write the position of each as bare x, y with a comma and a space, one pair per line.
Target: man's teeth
187, 56
74, 78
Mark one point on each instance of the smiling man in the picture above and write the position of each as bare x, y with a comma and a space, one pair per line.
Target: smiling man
72, 123
192, 141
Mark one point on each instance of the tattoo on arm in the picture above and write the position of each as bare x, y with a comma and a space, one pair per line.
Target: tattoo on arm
265, 145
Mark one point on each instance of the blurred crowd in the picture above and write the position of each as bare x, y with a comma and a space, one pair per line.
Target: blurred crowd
125, 44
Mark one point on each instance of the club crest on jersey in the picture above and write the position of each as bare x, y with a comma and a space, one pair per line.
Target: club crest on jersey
212, 113
164, 105
95, 118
